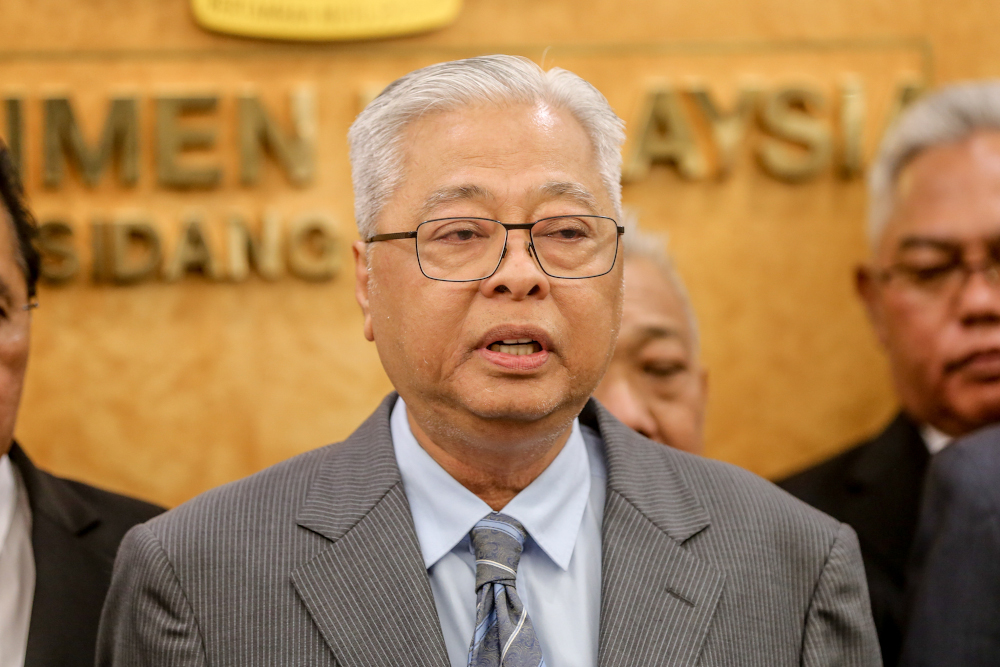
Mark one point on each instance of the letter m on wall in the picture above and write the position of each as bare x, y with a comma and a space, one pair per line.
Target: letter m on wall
63, 140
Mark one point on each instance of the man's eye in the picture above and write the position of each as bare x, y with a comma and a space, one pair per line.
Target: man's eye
662, 370
927, 275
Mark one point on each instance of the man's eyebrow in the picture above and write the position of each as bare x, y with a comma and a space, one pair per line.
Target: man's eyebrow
655, 332
455, 193
572, 191
913, 242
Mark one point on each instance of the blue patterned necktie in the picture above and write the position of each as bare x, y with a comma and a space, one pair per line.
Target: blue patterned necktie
504, 635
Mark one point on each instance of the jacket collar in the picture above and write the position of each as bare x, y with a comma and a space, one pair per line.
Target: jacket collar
54, 500
370, 595
650, 579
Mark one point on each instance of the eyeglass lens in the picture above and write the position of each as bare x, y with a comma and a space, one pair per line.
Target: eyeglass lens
468, 249
939, 268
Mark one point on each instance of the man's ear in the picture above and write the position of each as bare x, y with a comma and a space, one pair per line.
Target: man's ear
867, 286
361, 284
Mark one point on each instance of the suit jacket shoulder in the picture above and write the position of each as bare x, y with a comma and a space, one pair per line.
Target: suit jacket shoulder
316, 561
875, 487
766, 578
955, 559
76, 530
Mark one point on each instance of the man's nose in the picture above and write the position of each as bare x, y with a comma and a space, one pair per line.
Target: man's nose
979, 298
625, 403
519, 273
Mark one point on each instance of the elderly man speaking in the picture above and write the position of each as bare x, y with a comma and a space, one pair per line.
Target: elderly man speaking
490, 514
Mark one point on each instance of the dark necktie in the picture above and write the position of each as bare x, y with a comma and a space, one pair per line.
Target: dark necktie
504, 635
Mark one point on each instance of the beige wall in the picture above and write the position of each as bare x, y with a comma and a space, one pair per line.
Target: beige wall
166, 389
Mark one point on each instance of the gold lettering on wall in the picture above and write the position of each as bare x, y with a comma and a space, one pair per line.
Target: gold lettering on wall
313, 252
64, 140
852, 125
59, 260
800, 146
174, 138
264, 253
258, 131
665, 136
192, 254
728, 127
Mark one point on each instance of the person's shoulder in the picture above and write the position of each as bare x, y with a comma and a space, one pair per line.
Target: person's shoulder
280, 488
737, 497
824, 482
114, 508
80, 504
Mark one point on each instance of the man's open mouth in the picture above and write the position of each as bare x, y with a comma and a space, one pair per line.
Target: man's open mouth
518, 346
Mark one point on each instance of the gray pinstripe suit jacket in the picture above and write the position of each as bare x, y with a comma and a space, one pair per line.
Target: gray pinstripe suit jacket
315, 561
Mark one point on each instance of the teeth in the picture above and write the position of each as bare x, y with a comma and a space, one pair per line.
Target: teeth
530, 347
517, 341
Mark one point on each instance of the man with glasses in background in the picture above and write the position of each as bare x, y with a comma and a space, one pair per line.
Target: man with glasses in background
932, 292
490, 513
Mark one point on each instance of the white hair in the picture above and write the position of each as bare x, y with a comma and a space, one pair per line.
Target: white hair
375, 135
948, 116
639, 244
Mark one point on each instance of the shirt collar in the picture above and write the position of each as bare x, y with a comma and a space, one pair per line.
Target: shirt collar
551, 507
934, 439
8, 497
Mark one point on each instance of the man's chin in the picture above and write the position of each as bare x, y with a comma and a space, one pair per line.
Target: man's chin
517, 406
977, 407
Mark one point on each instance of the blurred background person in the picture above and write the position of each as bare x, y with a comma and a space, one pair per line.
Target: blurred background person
932, 293
655, 383
954, 587
58, 538
954, 584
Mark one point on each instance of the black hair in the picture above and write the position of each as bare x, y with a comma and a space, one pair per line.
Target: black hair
12, 193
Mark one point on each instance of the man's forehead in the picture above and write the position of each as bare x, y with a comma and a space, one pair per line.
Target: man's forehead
570, 191
949, 193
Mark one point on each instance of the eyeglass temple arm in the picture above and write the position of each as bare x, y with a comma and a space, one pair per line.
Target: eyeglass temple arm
391, 237
413, 235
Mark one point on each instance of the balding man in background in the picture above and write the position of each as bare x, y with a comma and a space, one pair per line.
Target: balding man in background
932, 292
655, 382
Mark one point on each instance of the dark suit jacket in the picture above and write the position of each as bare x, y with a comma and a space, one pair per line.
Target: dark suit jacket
955, 618
75, 533
875, 488
315, 561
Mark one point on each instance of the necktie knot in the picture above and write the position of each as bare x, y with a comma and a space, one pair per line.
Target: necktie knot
498, 541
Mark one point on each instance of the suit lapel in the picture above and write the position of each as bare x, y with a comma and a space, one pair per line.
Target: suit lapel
882, 494
657, 598
66, 604
368, 592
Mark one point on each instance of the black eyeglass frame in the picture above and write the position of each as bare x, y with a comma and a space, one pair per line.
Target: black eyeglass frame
507, 227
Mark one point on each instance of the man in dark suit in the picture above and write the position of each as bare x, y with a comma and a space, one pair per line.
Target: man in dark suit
490, 513
932, 295
58, 538
955, 577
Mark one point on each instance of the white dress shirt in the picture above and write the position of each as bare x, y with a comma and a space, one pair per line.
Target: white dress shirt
17, 566
934, 439
559, 576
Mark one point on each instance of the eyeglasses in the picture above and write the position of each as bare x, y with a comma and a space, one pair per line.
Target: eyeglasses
463, 250
947, 275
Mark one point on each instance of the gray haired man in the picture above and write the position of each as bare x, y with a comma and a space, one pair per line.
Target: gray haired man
932, 291
490, 513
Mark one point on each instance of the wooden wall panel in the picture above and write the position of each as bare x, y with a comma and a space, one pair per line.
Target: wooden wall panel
166, 389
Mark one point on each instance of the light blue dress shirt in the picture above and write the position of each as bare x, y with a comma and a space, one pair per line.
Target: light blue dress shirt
559, 576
